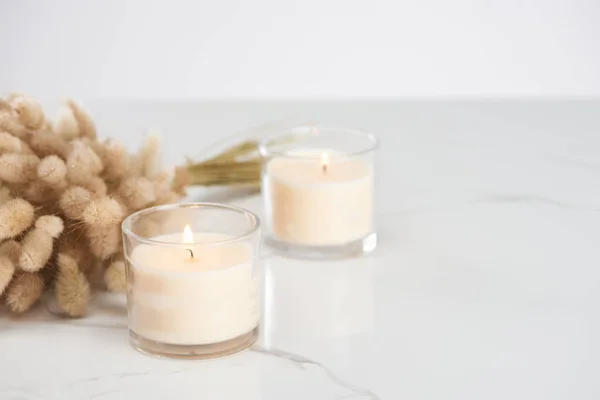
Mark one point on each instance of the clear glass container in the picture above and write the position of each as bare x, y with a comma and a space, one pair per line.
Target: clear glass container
193, 279
319, 192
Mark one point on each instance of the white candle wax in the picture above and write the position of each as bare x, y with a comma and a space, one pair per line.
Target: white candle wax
177, 299
320, 202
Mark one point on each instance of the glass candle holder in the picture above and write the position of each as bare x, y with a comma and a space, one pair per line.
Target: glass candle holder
318, 190
192, 279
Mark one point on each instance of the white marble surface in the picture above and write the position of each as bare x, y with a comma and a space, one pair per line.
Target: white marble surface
486, 283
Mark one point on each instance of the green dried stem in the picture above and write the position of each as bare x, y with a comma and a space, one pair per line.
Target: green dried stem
236, 152
225, 173
238, 166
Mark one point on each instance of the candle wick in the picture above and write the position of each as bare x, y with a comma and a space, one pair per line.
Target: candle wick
191, 253
324, 168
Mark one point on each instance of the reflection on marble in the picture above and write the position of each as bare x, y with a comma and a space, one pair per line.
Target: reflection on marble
485, 284
317, 300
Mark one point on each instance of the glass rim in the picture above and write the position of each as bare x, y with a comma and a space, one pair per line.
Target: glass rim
126, 224
265, 151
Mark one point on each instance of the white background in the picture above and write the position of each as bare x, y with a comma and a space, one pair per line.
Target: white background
300, 49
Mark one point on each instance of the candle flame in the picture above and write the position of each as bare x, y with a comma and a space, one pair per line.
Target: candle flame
188, 236
325, 161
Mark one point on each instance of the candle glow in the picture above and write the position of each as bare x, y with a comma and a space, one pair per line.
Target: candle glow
188, 236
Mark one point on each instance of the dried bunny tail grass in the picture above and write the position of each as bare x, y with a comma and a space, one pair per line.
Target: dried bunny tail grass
29, 110
49, 272
122, 202
115, 277
96, 146
167, 198
24, 291
181, 180
86, 153
117, 162
9, 143
72, 288
18, 168
49, 143
147, 159
11, 249
73, 201
82, 162
103, 211
7, 270
94, 273
51, 224
25, 149
9, 123
104, 240
5, 194
52, 170
50, 208
96, 186
16, 216
137, 192
77, 175
86, 126
73, 244
163, 187
162, 181
36, 249
39, 192
65, 125
37, 246
13, 95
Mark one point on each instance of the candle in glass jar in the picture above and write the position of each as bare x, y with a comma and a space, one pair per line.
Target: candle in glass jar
195, 294
323, 200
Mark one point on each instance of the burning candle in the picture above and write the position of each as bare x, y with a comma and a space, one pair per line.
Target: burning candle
193, 293
320, 201
188, 237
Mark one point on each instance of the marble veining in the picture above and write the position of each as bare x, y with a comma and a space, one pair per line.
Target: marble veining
301, 362
485, 284
516, 198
